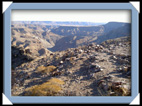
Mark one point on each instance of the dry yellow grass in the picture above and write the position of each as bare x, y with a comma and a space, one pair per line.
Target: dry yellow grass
50, 68
49, 88
40, 68
56, 81
43, 90
43, 69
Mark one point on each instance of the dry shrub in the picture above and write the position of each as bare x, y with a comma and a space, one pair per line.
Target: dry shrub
43, 90
43, 69
56, 81
122, 91
113, 90
71, 59
40, 68
50, 69
57, 58
71, 54
49, 88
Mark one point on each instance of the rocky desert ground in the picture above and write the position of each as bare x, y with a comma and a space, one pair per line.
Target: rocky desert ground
90, 70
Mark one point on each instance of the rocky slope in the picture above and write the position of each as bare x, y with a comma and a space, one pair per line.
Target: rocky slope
74, 36
20, 56
35, 38
78, 30
89, 70
118, 31
40, 35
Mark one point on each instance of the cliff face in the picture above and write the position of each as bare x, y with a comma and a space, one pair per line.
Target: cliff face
89, 34
20, 56
119, 31
54, 37
78, 30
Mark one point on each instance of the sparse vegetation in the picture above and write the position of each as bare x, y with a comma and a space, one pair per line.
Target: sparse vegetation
43, 69
114, 92
49, 88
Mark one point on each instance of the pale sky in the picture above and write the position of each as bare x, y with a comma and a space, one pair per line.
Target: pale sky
72, 15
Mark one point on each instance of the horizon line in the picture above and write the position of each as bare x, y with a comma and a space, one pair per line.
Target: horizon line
70, 21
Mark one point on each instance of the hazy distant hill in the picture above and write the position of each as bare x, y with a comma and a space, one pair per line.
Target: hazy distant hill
66, 23
114, 30
58, 36
89, 34
78, 30
113, 25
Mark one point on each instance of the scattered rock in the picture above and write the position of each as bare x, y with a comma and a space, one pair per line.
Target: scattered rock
67, 59
61, 62
114, 57
28, 51
56, 73
86, 67
20, 56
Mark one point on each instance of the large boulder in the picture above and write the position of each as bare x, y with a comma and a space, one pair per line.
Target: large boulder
19, 56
